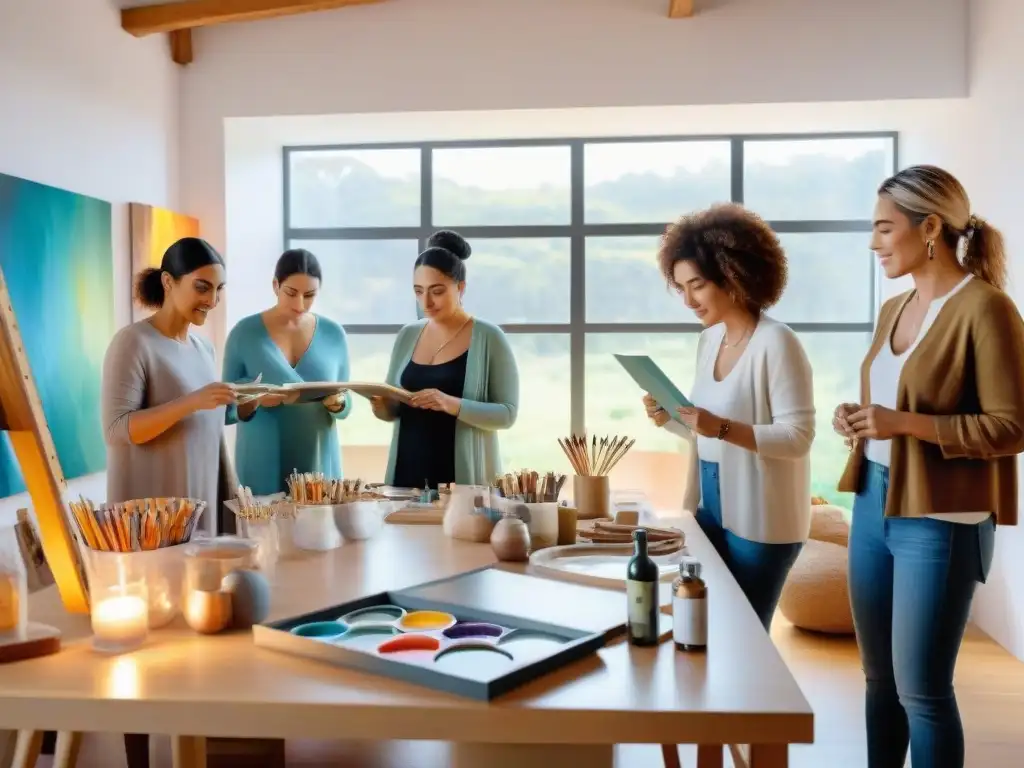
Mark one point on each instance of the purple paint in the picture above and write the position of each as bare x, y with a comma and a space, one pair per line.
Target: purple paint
473, 629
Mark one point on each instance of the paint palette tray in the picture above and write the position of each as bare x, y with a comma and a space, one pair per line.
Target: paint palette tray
477, 654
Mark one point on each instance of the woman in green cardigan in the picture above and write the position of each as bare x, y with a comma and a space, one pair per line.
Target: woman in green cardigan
462, 374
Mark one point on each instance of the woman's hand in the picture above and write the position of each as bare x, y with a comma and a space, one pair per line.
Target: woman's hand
271, 400
435, 400
334, 403
655, 412
841, 419
212, 396
875, 422
380, 407
702, 422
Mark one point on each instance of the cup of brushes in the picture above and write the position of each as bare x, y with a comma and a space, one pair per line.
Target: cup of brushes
592, 462
535, 502
328, 509
135, 550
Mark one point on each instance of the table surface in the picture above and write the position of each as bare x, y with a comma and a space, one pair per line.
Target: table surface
739, 691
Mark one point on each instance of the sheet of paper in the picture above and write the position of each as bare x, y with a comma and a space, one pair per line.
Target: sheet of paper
650, 378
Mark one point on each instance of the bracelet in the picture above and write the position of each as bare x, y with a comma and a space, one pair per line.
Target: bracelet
723, 429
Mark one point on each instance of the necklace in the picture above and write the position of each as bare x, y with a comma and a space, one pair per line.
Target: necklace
729, 345
450, 339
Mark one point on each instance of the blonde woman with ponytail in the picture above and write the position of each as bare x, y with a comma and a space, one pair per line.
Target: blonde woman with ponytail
933, 445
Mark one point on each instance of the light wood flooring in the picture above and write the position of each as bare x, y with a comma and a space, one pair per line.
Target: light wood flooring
990, 688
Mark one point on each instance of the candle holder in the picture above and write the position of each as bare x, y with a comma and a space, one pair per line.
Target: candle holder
161, 569
207, 605
120, 616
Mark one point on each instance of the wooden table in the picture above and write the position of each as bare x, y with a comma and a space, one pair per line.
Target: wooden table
191, 686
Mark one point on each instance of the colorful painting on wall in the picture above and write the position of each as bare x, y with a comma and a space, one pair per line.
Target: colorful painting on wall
154, 230
56, 251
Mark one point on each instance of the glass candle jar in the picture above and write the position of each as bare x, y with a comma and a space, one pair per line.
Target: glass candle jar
120, 616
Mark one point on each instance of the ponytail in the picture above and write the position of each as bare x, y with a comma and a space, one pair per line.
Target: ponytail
984, 252
182, 258
149, 288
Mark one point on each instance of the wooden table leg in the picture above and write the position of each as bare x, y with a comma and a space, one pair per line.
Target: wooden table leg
188, 751
710, 756
27, 749
768, 756
65, 753
670, 755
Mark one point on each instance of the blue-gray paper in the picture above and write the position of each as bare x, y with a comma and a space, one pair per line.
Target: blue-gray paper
653, 380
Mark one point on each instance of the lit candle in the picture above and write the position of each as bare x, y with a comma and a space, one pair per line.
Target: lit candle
120, 623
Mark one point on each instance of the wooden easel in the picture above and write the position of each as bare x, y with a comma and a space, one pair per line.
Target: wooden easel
21, 416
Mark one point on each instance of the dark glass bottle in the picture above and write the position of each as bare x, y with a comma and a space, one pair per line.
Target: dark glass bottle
642, 593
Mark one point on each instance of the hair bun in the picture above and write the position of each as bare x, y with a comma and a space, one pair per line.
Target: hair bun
451, 241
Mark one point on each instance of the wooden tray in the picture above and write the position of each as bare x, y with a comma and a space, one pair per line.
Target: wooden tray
39, 640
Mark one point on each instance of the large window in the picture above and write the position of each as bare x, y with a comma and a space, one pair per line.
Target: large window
564, 235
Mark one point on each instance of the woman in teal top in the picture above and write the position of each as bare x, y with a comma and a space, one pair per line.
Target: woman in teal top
463, 377
288, 344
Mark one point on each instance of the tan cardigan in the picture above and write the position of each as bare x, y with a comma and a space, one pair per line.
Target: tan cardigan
968, 371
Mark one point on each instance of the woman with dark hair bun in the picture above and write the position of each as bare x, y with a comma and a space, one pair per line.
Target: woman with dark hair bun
288, 344
462, 374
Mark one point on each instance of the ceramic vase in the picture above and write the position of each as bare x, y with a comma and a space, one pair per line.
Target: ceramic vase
510, 540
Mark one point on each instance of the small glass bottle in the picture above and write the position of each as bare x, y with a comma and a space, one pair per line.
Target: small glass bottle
642, 593
690, 608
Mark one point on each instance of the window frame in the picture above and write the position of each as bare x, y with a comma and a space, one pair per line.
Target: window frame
578, 230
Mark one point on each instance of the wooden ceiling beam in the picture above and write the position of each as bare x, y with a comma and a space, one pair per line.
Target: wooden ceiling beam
171, 17
181, 46
680, 9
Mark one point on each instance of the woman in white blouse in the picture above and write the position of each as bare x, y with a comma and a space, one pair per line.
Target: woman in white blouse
753, 397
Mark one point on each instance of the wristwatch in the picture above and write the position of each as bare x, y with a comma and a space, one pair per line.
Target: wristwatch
723, 429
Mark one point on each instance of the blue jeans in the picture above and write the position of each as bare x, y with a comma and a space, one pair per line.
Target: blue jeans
911, 585
759, 569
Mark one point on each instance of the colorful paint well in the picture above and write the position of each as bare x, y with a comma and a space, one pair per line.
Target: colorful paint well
320, 630
526, 642
478, 660
375, 614
473, 629
411, 642
426, 621
366, 637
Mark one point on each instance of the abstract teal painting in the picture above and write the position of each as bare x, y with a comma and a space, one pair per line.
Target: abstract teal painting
56, 251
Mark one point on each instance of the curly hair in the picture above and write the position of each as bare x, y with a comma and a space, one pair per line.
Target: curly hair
731, 247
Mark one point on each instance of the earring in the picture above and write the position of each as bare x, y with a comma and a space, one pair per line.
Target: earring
931, 250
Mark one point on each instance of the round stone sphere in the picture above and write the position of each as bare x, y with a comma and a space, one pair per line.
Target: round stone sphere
250, 597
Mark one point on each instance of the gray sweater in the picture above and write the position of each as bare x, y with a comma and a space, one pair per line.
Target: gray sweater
143, 368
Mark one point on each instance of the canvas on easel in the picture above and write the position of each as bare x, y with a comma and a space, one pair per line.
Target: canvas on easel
22, 417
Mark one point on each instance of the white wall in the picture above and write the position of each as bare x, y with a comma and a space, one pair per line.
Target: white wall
427, 55
89, 108
993, 178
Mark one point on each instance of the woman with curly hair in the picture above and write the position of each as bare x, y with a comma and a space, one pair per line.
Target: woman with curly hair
934, 443
753, 397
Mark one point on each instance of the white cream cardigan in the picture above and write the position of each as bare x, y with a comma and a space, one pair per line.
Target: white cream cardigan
766, 496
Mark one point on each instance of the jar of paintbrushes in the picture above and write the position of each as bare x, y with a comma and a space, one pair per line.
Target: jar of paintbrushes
138, 541
536, 494
266, 522
592, 462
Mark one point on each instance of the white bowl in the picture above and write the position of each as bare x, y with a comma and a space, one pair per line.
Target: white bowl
358, 520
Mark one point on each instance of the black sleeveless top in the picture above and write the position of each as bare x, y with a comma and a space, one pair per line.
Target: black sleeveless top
426, 439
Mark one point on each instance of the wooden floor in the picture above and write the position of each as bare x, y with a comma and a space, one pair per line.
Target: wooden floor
990, 688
